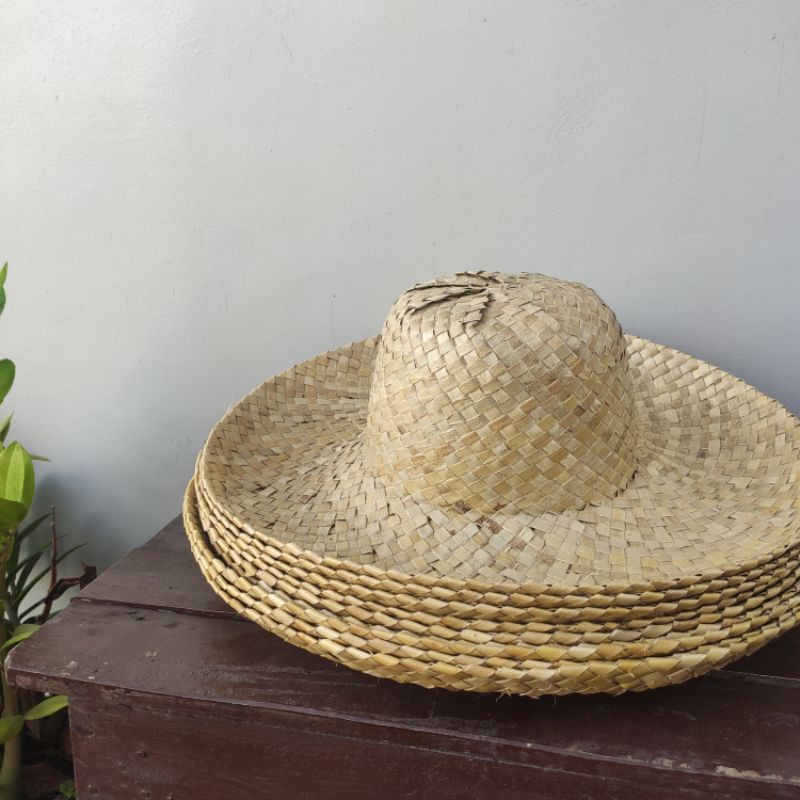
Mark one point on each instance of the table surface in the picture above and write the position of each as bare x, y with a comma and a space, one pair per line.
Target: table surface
151, 625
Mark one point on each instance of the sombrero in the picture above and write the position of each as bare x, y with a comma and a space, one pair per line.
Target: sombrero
504, 492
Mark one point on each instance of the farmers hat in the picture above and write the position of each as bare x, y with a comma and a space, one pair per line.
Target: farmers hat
504, 492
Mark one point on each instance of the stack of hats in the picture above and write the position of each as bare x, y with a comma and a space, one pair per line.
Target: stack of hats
504, 492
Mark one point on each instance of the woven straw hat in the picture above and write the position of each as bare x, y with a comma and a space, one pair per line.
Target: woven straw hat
505, 492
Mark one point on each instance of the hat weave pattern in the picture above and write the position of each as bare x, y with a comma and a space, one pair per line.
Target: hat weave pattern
496, 392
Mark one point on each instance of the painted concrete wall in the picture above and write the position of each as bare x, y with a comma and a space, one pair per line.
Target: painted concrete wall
197, 194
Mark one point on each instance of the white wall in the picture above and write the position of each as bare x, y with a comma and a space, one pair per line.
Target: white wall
195, 195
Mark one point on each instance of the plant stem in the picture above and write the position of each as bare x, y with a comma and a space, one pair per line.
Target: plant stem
10, 773
48, 602
11, 619
10, 770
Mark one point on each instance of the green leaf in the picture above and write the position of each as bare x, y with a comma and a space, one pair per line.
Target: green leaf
22, 535
21, 633
35, 457
3, 275
16, 474
48, 707
21, 583
5, 426
25, 532
23, 591
10, 727
27, 564
7, 372
11, 513
25, 630
67, 789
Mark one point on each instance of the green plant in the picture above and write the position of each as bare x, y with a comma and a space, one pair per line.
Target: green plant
17, 578
24, 571
67, 790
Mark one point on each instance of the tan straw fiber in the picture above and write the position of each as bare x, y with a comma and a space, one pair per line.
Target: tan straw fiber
478, 666
541, 626
501, 475
455, 603
532, 640
709, 624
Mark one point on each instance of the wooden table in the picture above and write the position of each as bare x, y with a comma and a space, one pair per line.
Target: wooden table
174, 697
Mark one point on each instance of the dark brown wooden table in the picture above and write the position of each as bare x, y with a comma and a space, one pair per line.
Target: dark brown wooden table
174, 697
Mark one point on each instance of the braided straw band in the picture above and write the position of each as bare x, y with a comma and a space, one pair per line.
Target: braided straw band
716, 608
682, 631
369, 650
530, 640
675, 602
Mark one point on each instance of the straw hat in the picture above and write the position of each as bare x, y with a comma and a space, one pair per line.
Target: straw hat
505, 492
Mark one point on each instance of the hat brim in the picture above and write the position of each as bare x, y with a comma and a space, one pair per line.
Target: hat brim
488, 664
715, 491
537, 635
601, 617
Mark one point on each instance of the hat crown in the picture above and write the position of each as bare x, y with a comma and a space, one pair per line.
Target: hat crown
495, 391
